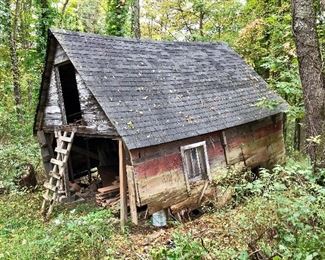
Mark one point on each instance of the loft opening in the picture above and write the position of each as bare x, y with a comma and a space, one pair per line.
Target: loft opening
70, 92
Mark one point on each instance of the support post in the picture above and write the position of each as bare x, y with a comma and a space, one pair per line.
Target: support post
123, 184
132, 196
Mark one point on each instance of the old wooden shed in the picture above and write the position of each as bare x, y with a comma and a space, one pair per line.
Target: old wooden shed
161, 117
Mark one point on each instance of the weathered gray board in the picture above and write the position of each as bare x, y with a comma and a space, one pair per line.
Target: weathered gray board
94, 120
60, 55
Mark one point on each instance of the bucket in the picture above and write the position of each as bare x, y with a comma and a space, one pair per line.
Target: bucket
159, 218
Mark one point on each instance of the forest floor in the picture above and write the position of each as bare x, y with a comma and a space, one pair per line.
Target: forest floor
279, 216
78, 231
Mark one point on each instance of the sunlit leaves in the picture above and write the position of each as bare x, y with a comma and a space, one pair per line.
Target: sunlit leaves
200, 20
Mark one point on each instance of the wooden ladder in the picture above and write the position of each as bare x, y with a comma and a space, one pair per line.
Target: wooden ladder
57, 187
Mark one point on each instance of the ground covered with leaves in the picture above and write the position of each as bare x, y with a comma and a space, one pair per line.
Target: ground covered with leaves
277, 215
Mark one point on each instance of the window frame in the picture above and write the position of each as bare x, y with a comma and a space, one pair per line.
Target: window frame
184, 148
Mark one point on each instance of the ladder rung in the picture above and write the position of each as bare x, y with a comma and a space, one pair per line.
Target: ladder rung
60, 150
55, 175
65, 139
47, 197
57, 162
63, 198
50, 187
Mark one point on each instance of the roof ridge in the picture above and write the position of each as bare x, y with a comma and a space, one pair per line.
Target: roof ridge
128, 39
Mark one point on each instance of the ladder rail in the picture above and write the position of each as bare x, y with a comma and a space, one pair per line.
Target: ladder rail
59, 183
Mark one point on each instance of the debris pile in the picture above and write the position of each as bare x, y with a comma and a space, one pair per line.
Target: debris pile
109, 195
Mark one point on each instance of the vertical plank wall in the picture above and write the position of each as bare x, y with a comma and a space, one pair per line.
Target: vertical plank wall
52, 112
158, 171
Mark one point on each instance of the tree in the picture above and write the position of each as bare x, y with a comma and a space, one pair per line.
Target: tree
45, 20
266, 42
191, 19
311, 75
136, 19
116, 17
12, 33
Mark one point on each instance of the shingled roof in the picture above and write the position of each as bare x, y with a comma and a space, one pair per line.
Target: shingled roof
157, 92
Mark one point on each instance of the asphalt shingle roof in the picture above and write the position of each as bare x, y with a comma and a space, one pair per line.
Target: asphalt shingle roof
157, 92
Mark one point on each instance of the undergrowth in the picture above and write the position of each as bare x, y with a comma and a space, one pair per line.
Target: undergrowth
79, 233
17, 147
278, 214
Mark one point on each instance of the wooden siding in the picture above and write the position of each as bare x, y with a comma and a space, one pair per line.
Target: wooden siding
159, 177
52, 112
94, 119
60, 55
92, 114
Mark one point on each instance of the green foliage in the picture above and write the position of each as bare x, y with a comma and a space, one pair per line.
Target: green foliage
74, 234
199, 20
12, 157
266, 43
298, 196
284, 206
116, 17
180, 247
267, 103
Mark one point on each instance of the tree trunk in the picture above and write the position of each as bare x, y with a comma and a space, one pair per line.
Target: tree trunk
201, 17
63, 11
297, 135
136, 19
310, 69
13, 28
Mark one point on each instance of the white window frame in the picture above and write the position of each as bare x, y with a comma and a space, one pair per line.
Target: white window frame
185, 163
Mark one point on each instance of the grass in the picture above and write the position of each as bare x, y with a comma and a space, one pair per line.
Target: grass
74, 233
281, 216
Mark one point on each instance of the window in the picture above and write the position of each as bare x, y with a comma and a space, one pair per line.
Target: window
195, 162
70, 92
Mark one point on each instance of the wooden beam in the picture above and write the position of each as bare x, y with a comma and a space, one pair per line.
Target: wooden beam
41, 138
123, 183
132, 195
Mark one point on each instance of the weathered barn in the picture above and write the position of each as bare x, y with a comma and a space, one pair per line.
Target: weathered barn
161, 117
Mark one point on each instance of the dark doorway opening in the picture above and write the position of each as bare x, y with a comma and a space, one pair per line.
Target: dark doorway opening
70, 92
100, 153
93, 169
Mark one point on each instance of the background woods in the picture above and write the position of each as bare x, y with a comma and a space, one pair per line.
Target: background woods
283, 40
259, 30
